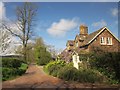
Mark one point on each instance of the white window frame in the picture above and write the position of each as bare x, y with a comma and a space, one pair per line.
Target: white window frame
103, 40
109, 41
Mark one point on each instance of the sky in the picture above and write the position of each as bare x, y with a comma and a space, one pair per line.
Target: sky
57, 22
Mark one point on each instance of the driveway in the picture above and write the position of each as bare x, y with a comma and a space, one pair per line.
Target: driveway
35, 77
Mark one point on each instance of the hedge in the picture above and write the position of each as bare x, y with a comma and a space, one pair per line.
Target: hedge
12, 67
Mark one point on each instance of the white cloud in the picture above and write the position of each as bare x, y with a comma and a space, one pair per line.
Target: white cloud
60, 28
2, 11
99, 24
114, 12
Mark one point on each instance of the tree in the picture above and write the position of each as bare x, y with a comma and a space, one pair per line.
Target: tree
25, 17
30, 55
41, 54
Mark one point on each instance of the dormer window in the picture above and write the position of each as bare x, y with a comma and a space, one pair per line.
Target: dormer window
109, 41
103, 40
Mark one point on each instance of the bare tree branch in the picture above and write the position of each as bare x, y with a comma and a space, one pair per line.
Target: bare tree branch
25, 15
10, 30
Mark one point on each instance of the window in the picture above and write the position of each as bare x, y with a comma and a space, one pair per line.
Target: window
103, 40
109, 41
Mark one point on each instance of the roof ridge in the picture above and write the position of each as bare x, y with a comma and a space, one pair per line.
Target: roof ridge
91, 36
97, 30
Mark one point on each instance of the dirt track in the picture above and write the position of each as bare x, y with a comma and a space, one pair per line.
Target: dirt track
35, 77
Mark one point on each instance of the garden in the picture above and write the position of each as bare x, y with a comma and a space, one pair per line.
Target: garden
95, 68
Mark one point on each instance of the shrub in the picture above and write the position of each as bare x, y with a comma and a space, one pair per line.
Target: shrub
108, 64
22, 68
53, 67
83, 75
89, 76
12, 67
8, 72
11, 62
68, 73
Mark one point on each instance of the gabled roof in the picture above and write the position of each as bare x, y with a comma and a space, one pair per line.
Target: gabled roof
93, 35
70, 42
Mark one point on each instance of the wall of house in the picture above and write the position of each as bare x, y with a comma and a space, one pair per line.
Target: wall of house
115, 47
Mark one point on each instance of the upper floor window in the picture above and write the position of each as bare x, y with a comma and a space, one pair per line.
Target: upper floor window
109, 41
103, 40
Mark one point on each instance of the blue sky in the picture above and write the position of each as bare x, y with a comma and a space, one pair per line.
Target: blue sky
58, 22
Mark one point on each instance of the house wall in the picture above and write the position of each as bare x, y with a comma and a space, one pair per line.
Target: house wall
115, 47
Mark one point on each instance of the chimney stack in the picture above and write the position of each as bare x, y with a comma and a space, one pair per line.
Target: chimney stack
83, 30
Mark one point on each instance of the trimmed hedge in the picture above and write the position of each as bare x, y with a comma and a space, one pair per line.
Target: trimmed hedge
8, 73
11, 62
12, 67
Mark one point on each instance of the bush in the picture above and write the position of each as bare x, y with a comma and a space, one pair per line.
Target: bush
12, 67
82, 75
8, 73
89, 76
22, 68
11, 62
108, 64
53, 67
68, 73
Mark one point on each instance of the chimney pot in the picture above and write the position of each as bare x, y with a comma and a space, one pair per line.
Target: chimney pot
83, 30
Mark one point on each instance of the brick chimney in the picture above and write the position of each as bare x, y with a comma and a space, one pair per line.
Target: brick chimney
83, 30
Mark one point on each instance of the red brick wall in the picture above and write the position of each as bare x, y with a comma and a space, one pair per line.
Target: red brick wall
115, 47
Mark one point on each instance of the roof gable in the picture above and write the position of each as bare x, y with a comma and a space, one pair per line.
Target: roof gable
93, 35
70, 42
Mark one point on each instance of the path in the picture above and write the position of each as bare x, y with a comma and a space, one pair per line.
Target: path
35, 77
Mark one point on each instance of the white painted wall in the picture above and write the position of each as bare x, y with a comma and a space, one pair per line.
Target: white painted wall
76, 61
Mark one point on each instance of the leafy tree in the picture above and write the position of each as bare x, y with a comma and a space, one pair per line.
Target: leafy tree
42, 55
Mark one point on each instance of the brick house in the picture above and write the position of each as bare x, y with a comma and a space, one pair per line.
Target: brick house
101, 39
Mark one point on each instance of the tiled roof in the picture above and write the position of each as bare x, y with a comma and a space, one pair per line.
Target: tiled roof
80, 37
70, 42
91, 36
86, 40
